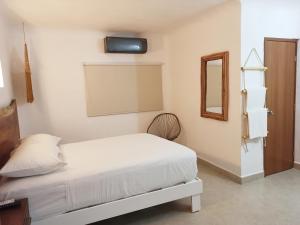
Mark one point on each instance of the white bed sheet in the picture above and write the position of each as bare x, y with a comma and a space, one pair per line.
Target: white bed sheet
104, 170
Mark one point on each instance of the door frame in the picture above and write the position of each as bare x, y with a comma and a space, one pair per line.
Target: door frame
292, 40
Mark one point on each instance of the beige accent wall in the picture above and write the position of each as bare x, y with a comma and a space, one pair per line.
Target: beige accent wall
57, 58
117, 89
215, 141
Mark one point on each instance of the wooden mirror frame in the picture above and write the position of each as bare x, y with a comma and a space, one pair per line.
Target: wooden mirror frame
224, 56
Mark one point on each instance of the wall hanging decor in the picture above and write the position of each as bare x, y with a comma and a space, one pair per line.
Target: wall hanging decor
29, 91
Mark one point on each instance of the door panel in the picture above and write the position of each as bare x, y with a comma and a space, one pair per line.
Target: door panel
280, 58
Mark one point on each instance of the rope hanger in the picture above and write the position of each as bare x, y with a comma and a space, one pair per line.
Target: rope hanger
261, 67
245, 68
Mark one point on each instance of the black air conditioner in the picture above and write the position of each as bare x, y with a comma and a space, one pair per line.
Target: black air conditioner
125, 45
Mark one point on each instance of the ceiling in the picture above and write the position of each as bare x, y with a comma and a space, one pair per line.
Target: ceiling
108, 15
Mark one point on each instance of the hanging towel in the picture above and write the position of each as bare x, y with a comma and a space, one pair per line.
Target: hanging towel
257, 123
256, 98
254, 79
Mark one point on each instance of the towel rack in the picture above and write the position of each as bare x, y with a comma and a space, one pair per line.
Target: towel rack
244, 69
261, 66
244, 91
254, 68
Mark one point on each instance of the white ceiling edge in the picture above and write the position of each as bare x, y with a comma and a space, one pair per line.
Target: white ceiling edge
21, 10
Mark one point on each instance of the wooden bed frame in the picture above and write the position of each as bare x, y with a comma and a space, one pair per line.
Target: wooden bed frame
9, 131
9, 139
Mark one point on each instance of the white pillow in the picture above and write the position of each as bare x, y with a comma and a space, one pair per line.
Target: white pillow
45, 138
38, 154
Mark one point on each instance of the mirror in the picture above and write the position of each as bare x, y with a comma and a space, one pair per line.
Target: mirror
214, 86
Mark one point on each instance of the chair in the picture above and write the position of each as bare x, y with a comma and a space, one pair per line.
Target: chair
165, 125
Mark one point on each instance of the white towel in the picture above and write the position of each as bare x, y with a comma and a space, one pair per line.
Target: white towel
256, 98
254, 79
257, 123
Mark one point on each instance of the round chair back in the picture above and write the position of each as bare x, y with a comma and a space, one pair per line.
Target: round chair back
165, 125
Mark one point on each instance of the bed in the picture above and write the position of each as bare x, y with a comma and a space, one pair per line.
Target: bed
104, 178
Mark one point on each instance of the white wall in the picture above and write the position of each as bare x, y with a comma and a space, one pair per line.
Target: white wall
267, 18
57, 57
214, 31
5, 36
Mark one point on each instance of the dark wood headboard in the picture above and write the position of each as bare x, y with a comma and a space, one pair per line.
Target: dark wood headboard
9, 131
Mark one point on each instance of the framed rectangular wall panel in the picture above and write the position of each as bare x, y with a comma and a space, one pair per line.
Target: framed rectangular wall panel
118, 89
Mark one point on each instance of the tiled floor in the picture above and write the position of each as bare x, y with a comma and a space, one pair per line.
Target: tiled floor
274, 200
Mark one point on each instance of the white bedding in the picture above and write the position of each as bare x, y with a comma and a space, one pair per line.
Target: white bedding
104, 170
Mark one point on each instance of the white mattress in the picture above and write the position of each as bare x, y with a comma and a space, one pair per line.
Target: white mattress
104, 170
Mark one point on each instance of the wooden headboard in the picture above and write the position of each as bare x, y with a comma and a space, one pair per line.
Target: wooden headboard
9, 131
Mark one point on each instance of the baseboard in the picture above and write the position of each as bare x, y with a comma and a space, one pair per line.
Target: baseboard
252, 177
235, 178
297, 165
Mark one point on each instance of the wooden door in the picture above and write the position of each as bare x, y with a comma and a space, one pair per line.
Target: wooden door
280, 58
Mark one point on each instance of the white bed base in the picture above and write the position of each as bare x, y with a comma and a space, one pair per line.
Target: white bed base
104, 211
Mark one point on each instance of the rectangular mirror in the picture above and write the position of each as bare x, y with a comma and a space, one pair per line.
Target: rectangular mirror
214, 86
